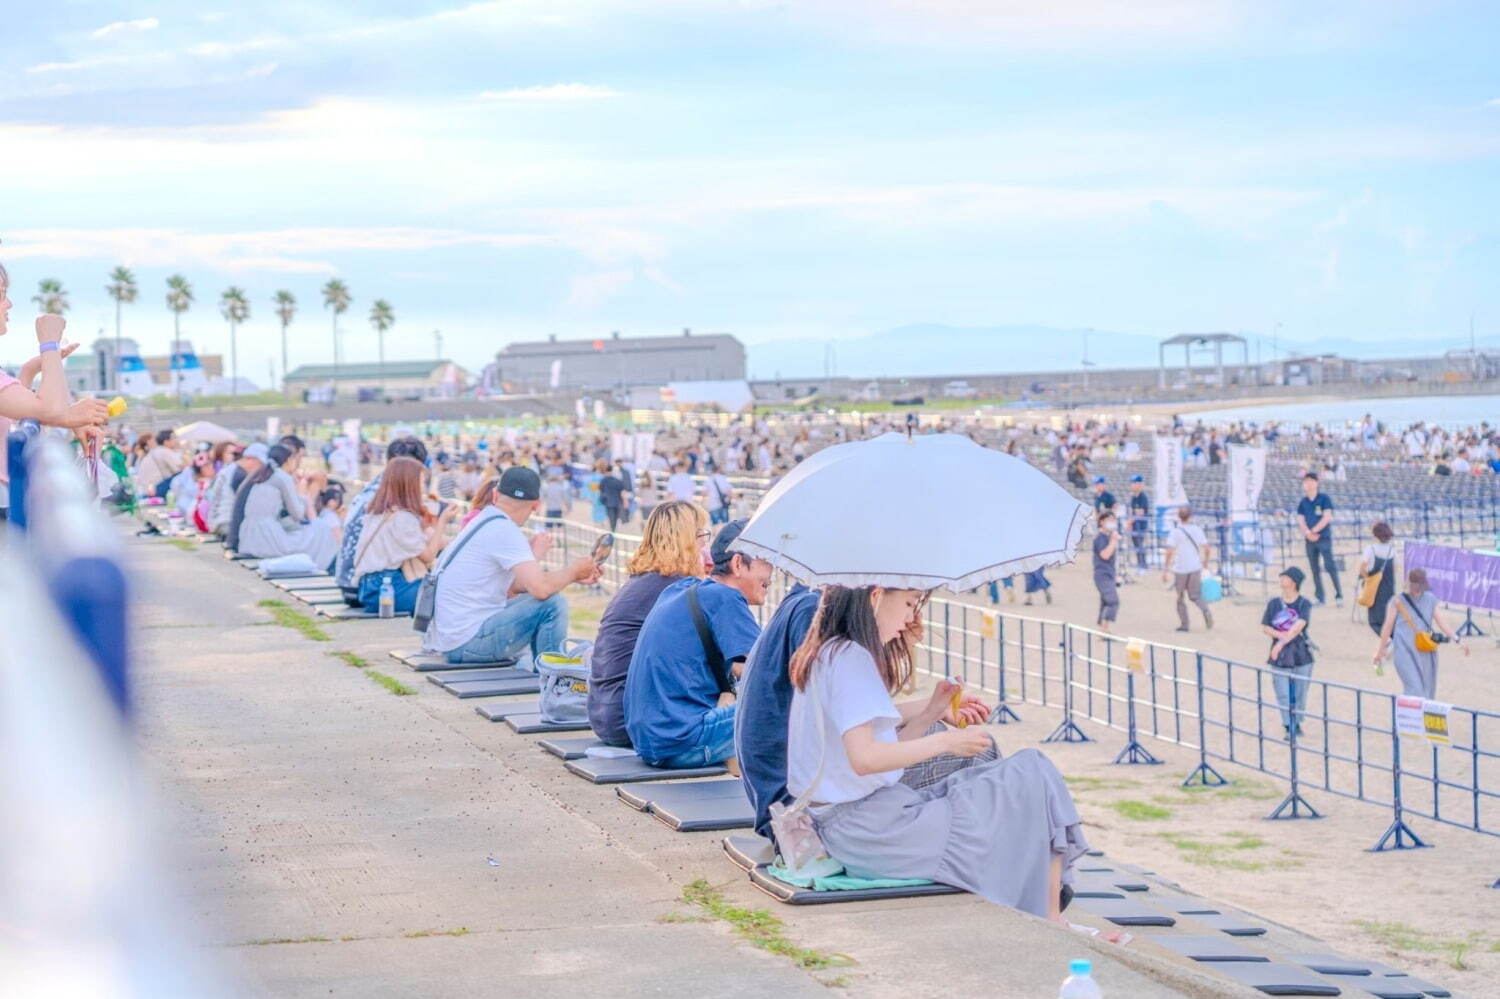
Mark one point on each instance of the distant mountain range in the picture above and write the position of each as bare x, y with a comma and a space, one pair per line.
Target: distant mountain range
936, 349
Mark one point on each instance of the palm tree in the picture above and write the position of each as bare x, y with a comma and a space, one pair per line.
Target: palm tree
235, 307
179, 300
50, 296
382, 318
122, 289
336, 297
286, 308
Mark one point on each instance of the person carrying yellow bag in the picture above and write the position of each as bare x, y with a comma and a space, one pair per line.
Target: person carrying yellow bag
1414, 628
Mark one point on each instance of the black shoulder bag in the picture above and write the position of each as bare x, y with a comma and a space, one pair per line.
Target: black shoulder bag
716, 664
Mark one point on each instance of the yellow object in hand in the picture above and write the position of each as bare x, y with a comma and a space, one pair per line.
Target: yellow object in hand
117, 407
958, 699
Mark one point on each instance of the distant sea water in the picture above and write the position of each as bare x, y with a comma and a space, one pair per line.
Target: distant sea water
1444, 410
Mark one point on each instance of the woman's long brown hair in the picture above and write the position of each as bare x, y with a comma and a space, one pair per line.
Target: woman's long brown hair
849, 615
400, 488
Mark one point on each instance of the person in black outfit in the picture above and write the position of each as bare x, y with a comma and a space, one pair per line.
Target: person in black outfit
1316, 511
1379, 561
1104, 500
1285, 622
613, 489
1140, 519
671, 549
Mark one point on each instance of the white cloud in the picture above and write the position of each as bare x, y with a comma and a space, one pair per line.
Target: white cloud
552, 92
127, 27
263, 70
298, 250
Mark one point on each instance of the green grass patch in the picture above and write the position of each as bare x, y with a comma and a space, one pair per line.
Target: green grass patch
183, 544
1101, 783
284, 616
462, 931
289, 940
1140, 811
1408, 939
350, 658
1230, 852
759, 928
680, 917
390, 683
1238, 790
839, 982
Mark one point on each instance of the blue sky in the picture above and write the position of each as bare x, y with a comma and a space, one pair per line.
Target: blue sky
512, 169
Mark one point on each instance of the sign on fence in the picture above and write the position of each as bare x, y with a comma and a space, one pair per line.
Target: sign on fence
1457, 576
1168, 472
986, 624
1247, 475
1418, 718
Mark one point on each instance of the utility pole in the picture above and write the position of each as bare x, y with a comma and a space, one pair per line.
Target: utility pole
437, 339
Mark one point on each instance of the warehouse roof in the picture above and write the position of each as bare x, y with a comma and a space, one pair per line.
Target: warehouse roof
364, 372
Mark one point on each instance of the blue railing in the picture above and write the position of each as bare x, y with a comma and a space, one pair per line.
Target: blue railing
86, 902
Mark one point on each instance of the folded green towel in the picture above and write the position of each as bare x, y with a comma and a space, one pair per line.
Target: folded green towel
842, 882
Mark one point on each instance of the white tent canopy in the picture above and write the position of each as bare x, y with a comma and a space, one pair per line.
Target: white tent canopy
914, 513
203, 430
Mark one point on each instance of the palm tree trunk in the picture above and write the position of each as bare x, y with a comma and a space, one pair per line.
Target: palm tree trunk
234, 360
335, 357
117, 347
283, 357
176, 351
381, 337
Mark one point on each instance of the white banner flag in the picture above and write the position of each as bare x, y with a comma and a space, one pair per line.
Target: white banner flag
1168, 453
645, 443
273, 429
1247, 476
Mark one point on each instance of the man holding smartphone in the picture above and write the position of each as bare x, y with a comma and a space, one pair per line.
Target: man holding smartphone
494, 599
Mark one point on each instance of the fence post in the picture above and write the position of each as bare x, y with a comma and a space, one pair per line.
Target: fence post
1002, 714
1068, 731
1204, 770
1133, 752
947, 644
1293, 805
1398, 835
15, 454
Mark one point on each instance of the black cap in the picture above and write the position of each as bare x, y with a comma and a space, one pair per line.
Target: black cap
520, 483
1295, 574
719, 551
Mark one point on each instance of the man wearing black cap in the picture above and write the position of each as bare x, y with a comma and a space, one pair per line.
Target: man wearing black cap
691, 647
1140, 518
494, 600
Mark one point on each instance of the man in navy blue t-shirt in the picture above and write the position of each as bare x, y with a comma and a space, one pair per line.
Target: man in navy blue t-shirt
672, 689
1316, 512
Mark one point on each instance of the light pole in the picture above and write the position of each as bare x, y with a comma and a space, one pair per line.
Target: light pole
437, 340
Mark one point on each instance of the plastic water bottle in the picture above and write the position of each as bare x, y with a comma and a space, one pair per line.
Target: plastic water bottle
1080, 982
387, 598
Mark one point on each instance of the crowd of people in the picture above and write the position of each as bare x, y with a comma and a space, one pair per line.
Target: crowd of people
682, 673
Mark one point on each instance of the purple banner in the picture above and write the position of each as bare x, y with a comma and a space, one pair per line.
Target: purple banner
1457, 575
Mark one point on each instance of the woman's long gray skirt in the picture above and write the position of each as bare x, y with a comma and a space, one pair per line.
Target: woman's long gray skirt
992, 829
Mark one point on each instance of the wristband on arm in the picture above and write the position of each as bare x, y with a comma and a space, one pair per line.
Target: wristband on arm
42, 348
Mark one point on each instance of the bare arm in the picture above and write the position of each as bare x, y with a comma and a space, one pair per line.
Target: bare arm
868, 755
1386, 630
531, 579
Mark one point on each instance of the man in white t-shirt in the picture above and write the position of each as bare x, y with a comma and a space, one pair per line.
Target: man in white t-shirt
494, 600
717, 493
681, 485
1188, 552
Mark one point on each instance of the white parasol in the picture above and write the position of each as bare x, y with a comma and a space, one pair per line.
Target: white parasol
914, 513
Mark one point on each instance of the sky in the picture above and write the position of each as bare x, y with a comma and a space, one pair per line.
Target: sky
513, 169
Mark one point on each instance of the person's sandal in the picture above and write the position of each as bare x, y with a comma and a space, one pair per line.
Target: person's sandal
1064, 898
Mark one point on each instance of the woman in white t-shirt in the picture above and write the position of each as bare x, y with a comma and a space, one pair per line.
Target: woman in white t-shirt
1006, 830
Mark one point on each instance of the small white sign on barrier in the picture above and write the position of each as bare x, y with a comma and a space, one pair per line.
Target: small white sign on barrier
1418, 718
